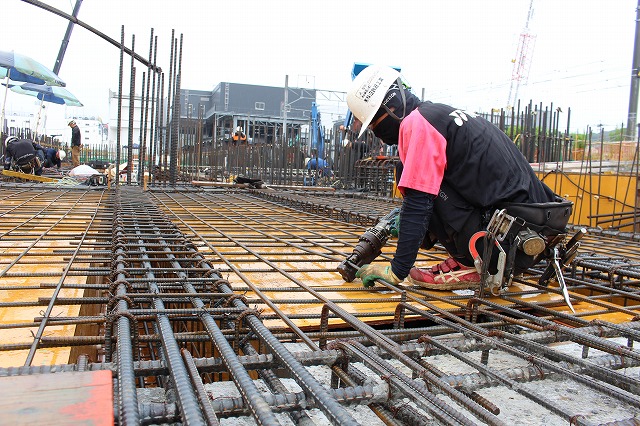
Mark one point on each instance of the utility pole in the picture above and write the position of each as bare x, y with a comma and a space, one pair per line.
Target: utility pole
635, 76
284, 109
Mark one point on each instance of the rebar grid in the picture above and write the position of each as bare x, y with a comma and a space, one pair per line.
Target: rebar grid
186, 291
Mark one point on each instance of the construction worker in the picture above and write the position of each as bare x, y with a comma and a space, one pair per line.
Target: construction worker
76, 143
316, 167
239, 136
53, 157
456, 170
23, 155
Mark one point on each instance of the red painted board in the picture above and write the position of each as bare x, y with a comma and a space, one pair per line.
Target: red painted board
70, 398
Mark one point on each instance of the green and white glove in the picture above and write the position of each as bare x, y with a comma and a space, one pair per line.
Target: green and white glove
395, 228
370, 273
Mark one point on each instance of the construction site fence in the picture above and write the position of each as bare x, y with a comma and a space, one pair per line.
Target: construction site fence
367, 165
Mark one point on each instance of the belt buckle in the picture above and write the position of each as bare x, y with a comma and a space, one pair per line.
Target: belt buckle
500, 224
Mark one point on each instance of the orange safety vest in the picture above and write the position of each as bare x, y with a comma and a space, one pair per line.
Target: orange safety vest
238, 136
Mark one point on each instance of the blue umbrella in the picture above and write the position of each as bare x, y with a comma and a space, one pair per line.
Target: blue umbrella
53, 94
58, 95
17, 67
46, 97
23, 68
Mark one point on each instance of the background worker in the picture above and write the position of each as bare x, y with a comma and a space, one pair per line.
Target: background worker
53, 158
239, 136
316, 168
76, 143
457, 169
23, 155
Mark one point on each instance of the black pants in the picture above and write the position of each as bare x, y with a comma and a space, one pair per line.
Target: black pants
454, 221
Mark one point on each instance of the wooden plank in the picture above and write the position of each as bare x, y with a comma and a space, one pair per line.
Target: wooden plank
70, 398
26, 176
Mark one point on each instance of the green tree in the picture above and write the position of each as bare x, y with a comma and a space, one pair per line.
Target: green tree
617, 134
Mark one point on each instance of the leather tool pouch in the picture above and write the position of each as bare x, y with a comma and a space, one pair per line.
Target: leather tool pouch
548, 219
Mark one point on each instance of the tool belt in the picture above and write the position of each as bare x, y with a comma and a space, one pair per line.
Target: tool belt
524, 234
548, 219
29, 165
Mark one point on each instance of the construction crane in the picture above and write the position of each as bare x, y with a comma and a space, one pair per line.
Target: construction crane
67, 36
522, 61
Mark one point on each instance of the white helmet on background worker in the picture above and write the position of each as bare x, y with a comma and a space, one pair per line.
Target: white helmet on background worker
368, 91
10, 139
61, 154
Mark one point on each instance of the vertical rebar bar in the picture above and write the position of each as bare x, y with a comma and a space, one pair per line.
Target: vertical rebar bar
119, 120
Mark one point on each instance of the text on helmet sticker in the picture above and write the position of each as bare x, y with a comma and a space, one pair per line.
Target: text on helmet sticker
368, 88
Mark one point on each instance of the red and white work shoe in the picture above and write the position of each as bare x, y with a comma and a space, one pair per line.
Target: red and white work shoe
448, 275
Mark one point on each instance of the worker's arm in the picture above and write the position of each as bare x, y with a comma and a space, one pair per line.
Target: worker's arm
417, 208
8, 157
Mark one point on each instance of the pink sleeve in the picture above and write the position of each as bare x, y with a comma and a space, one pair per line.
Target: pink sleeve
422, 150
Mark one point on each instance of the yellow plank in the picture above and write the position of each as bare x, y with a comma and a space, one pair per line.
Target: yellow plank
26, 176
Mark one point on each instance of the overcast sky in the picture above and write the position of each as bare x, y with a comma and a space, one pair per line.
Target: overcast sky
458, 52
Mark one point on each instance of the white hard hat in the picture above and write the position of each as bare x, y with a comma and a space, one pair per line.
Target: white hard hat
61, 155
368, 90
10, 139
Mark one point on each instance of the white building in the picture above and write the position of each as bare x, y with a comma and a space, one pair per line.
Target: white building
112, 137
17, 121
92, 130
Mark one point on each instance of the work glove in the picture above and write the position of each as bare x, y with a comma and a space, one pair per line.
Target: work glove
394, 229
370, 273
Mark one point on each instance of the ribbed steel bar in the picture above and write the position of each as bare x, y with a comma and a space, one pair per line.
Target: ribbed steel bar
196, 381
344, 315
56, 291
492, 336
133, 221
128, 400
307, 382
278, 251
304, 379
241, 377
44, 230
440, 409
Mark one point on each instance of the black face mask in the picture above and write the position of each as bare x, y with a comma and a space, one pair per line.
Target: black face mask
402, 104
388, 130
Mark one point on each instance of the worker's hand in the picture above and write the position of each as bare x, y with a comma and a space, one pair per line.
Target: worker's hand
370, 273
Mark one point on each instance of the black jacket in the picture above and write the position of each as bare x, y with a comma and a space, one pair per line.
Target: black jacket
20, 152
483, 165
75, 136
51, 159
484, 170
